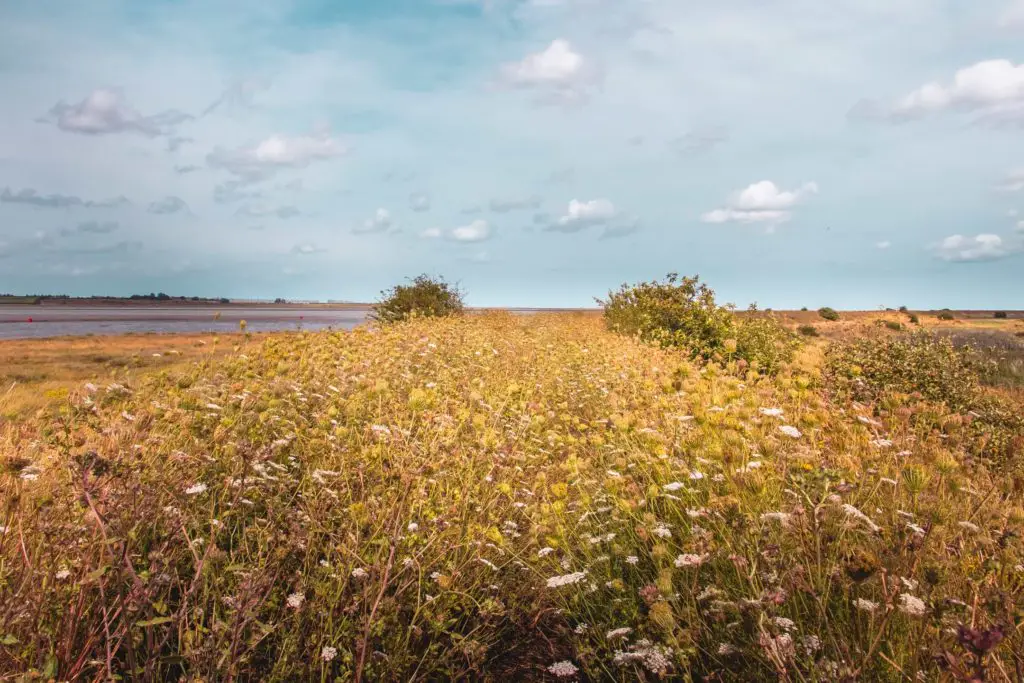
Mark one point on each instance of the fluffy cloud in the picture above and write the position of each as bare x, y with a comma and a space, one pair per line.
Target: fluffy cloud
477, 231
419, 202
985, 247
995, 87
885, 244
259, 161
761, 202
582, 215
558, 70
168, 205
105, 111
506, 205
431, 233
380, 222
56, 201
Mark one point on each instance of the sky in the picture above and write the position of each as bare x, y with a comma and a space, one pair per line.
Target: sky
854, 153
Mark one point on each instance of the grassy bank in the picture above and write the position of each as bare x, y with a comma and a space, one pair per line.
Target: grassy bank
503, 497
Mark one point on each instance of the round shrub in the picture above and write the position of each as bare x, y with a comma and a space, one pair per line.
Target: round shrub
426, 297
808, 330
828, 313
1001, 315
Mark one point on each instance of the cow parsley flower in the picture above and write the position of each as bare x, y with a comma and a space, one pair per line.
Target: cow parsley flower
328, 653
196, 489
618, 633
562, 669
295, 600
566, 579
790, 431
771, 412
912, 605
690, 560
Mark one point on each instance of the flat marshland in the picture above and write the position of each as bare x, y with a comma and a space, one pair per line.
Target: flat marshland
528, 498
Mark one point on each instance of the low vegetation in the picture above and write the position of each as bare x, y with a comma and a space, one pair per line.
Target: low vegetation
528, 498
424, 297
682, 313
828, 314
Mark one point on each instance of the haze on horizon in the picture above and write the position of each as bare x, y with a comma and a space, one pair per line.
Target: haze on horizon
540, 152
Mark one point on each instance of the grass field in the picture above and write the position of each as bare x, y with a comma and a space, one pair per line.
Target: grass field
499, 497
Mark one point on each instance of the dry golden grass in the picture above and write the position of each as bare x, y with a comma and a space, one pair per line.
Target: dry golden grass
35, 373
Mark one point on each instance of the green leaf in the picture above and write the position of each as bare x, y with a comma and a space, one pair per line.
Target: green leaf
9, 640
97, 574
155, 621
50, 670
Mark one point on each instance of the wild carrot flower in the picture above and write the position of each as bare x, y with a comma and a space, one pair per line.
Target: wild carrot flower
565, 580
62, 574
690, 560
562, 669
790, 431
696, 476
674, 486
544, 552
328, 653
865, 605
662, 531
359, 573
618, 633
196, 489
295, 600
771, 412
632, 559
912, 605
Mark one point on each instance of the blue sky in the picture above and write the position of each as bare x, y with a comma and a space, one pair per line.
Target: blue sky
856, 153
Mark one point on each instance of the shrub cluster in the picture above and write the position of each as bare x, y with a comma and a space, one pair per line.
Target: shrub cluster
828, 313
426, 297
808, 330
933, 368
682, 312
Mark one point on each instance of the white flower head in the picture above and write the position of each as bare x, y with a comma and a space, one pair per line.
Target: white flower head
790, 431
328, 653
562, 669
912, 605
295, 600
691, 560
196, 489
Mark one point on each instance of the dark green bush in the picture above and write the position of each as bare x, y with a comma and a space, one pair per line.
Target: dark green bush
808, 330
946, 314
804, 308
762, 341
682, 312
1000, 315
914, 319
425, 297
828, 313
677, 312
903, 309
893, 325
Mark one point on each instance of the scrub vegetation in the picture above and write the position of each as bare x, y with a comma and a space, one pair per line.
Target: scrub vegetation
673, 492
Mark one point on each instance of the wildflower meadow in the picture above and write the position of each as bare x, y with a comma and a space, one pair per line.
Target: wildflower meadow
490, 496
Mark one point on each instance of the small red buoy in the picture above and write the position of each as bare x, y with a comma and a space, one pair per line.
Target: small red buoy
30, 319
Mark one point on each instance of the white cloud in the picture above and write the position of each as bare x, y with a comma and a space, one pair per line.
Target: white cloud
558, 70
476, 231
105, 110
431, 233
278, 151
885, 244
261, 210
994, 85
419, 202
306, 249
761, 202
984, 247
380, 222
582, 215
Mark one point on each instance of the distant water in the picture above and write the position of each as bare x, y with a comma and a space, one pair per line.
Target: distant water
58, 321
